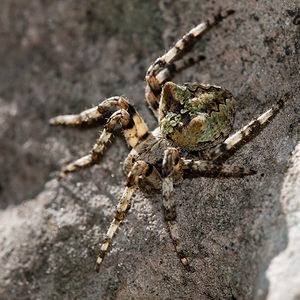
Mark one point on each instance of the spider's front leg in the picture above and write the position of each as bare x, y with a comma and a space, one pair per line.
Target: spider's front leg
171, 170
140, 168
89, 115
133, 126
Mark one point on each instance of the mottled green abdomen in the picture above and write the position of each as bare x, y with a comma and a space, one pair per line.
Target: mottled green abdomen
196, 116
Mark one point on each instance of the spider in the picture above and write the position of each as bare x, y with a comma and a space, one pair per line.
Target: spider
195, 121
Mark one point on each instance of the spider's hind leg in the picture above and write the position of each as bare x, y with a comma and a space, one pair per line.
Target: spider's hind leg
133, 126
171, 170
252, 128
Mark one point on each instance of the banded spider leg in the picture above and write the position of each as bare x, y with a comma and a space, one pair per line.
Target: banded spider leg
133, 126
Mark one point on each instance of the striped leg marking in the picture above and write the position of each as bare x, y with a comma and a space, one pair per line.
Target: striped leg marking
186, 42
255, 126
211, 167
91, 114
176, 67
182, 46
171, 165
134, 130
98, 148
139, 168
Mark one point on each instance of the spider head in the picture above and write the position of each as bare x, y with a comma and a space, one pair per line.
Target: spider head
195, 116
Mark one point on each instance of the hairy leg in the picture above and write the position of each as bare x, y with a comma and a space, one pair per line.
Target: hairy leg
169, 72
134, 130
139, 168
212, 167
172, 168
183, 46
89, 115
253, 127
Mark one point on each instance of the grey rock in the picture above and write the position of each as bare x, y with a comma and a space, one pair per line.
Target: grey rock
283, 272
64, 56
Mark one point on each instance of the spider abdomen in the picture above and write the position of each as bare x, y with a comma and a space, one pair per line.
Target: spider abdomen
196, 116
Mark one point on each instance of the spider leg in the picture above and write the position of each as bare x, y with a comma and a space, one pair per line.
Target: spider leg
169, 72
139, 168
253, 127
184, 45
212, 167
89, 115
134, 130
170, 169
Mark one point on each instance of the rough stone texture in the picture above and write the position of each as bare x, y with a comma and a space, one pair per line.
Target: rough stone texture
283, 272
62, 56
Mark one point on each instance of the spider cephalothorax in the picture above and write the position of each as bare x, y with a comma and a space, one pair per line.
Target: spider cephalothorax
194, 119
195, 116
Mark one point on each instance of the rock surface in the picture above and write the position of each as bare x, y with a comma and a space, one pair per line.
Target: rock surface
283, 272
64, 56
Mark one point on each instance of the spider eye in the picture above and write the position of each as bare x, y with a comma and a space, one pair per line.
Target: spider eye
195, 116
